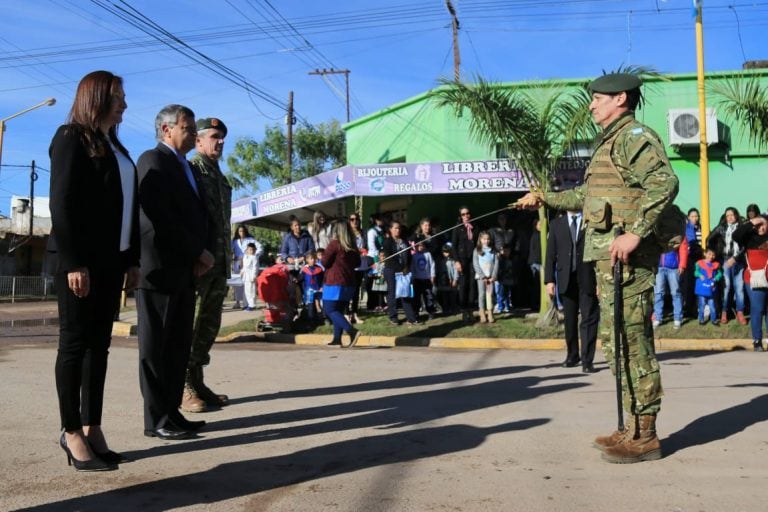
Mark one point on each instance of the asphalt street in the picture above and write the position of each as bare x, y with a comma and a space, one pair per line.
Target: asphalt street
392, 429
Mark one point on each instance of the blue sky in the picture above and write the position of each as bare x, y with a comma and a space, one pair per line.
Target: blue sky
394, 49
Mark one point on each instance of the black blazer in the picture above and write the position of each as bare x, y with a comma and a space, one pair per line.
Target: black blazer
173, 219
87, 206
462, 246
559, 254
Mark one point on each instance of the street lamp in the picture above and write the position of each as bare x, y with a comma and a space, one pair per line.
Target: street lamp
47, 103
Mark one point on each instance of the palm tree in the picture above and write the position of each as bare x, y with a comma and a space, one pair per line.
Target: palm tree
744, 100
535, 126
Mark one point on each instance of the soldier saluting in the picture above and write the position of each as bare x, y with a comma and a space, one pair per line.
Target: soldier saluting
628, 183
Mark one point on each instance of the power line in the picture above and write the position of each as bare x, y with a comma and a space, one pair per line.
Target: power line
138, 20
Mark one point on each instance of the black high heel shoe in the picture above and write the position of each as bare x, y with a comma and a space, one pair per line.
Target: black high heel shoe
95, 464
109, 456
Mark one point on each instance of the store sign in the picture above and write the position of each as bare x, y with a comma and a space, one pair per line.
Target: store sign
323, 187
439, 178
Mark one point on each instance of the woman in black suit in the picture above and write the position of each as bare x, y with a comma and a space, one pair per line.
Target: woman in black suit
95, 238
464, 242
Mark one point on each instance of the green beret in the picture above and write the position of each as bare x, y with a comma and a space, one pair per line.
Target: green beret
615, 83
211, 122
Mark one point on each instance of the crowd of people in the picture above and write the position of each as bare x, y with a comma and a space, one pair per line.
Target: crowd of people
419, 271
718, 279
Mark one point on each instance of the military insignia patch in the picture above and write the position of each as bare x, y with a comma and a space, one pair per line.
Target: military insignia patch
637, 131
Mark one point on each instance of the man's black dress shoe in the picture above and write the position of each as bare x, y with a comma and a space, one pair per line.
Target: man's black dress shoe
570, 364
167, 434
588, 368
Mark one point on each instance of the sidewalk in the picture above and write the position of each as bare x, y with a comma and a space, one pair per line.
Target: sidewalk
126, 327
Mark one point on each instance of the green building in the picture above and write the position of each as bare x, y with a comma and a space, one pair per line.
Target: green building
416, 130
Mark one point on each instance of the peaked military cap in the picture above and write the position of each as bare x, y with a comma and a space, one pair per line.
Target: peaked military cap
211, 122
614, 83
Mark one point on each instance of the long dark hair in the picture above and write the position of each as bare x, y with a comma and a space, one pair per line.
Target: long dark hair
93, 102
237, 232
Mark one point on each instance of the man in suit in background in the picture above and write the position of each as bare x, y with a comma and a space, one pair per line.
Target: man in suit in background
174, 249
576, 286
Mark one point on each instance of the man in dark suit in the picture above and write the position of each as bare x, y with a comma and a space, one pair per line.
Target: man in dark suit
576, 285
174, 249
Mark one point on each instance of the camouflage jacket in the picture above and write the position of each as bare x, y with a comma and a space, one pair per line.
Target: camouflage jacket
638, 154
218, 203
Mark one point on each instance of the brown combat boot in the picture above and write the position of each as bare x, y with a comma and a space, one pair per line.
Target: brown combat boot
603, 442
482, 315
204, 392
190, 402
490, 316
643, 445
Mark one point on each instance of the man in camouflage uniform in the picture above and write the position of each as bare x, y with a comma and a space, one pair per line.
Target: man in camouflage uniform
211, 286
628, 183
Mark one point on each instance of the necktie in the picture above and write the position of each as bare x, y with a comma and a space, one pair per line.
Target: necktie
574, 238
188, 173
469, 231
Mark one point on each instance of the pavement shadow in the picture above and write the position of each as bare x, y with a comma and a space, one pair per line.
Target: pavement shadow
389, 412
688, 354
244, 478
718, 425
405, 382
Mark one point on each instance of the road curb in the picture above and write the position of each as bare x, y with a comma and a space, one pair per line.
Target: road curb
666, 344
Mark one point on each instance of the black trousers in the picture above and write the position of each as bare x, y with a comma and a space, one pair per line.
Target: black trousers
410, 314
467, 285
165, 337
575, 300
85, 333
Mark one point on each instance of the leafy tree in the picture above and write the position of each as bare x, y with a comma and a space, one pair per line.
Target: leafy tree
316, 148
744, 100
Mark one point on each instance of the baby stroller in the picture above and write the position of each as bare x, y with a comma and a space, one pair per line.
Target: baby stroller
273, 284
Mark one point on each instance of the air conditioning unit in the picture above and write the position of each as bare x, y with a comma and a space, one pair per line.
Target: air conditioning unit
684, 126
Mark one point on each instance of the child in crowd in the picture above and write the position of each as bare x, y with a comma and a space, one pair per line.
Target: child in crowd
506, 281
312, 274
707, 275
448, 282
379, 284
248, 274
486, 264
423, 278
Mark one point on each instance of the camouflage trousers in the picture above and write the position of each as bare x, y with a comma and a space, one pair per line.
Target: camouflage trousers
640, 375
211, 290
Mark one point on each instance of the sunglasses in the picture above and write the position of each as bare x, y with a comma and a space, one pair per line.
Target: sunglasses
464, 214
353, 218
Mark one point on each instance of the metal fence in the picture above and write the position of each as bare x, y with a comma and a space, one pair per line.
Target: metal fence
14, 288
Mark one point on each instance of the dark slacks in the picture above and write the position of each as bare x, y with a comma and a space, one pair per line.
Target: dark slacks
467, 285
410, 315
165, 337
575, 299
85, 333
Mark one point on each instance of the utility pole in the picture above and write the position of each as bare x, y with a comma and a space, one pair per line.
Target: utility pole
703, 157
455, 26
32, 180
332, 71
289, 123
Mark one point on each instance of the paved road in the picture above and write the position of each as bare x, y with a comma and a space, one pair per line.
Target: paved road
397, 429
